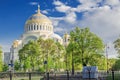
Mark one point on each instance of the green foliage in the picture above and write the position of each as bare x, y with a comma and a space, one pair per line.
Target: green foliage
1, 62
110, 77
33, 55
5, 67
17, 65
116, 65
29, 55
85, 46
117, 45
41, 70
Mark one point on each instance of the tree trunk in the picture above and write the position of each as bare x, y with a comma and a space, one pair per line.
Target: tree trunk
72, 65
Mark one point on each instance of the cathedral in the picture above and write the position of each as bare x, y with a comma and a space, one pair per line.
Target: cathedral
37, 25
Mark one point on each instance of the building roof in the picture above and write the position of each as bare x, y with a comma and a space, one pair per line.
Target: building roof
38, 17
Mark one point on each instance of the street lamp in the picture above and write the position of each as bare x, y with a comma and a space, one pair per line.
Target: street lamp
107, 47
14, 46
72, 64
66, 37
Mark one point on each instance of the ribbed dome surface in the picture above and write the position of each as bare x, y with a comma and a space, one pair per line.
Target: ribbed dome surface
38, 18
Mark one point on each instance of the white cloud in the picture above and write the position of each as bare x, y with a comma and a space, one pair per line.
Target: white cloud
55, 20
89, 1
112, 2
61, 7
45, 11
33, 3
110, 52
101, 20
70, 17
58, 29
57, 3
86, 5
98, 18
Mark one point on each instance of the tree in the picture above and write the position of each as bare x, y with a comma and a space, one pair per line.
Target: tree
1, 62
115, 64
117, 46
35, 53
17, 65
29, 55
59, 55
86, 44
52, 52
50, 49
5, 67
71, 52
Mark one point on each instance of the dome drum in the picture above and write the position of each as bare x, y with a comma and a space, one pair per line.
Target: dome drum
38, 27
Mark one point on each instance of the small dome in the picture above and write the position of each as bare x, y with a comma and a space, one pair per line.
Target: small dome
55, 36
66, 35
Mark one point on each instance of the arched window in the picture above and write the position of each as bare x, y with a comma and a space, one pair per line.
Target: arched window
50, 29
43, 27
37, 27
34, 27
31, 27
40, 27
46, 28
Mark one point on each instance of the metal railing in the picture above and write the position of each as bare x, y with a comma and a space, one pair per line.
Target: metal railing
111, 75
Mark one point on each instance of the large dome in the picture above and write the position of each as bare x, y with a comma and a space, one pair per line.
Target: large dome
38, 23
38, 18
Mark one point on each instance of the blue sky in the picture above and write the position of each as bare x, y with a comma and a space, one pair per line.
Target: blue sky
101, 16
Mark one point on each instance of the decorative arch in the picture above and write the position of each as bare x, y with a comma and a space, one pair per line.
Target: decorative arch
29, 38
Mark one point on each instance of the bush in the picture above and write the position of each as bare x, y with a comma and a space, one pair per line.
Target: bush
41, 70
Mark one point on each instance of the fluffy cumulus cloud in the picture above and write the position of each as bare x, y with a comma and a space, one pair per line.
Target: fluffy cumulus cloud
61, 7
86, 5
69, 11
101, 16
103, 19
110, 51
98, 18
112, 2
55, 20
70, 17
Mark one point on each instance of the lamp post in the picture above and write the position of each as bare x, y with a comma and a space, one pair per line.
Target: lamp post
72, 64
12, 60
65, 44
107, 47
66, 59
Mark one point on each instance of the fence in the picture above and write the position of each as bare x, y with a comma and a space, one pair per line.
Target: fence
21, 76
111, 75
